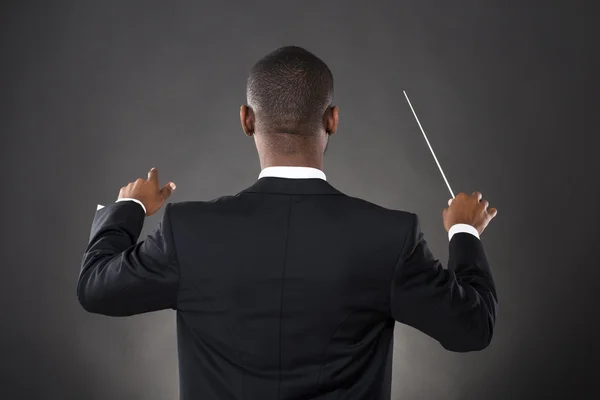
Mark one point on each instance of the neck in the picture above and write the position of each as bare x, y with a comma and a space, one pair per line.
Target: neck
290, 150
299, 160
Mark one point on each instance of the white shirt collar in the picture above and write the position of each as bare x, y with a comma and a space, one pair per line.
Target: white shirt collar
292, 173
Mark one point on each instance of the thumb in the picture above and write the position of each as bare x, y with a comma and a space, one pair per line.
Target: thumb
492, 212
168, 190
450, 202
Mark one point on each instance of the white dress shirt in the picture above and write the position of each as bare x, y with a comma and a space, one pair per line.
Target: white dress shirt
292, 173
314, 173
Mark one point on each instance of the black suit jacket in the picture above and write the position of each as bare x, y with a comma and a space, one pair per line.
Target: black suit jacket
288, 290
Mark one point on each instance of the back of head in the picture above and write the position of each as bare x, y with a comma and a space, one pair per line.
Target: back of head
289, 91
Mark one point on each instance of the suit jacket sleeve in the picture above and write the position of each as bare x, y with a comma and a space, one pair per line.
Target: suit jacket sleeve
456, 306
121, 277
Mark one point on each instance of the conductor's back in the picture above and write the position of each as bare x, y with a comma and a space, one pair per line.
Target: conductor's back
290, 289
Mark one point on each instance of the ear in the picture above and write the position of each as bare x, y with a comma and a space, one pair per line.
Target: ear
247, 120
331, 120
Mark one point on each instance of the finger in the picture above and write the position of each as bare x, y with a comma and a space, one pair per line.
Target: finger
492, 212
153, 175
485, 204
477, 195
168, 190
450, 202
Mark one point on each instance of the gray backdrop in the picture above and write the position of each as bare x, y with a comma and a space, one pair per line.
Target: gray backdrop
94, 94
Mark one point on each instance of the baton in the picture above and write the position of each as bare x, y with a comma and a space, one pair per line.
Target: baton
430, 148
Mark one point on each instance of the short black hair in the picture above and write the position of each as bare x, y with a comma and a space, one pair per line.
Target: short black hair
289, 90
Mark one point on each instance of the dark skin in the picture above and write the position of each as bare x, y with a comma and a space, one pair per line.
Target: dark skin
313, 149
471, 210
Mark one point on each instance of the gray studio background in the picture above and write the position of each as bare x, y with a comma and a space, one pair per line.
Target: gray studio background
94, 94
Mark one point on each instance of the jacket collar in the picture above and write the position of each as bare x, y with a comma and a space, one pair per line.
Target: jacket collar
292, 186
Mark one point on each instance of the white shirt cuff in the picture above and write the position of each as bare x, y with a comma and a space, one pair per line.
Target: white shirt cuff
462, 228
136, 200
100, 206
